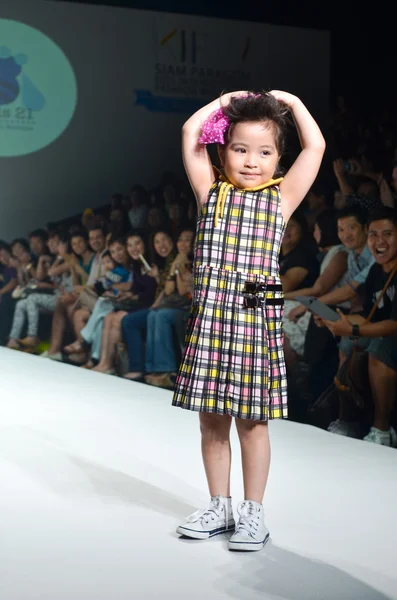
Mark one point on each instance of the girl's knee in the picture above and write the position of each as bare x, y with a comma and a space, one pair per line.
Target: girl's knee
213, 423
249, 428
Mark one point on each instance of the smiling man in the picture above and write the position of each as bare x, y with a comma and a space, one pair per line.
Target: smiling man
378, 337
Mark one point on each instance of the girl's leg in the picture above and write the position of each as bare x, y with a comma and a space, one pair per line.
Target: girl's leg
17, 323
59, 323
216, 451
152, 322
255, 455
134, 328
35, 302
110, 337
162, 358
80, 318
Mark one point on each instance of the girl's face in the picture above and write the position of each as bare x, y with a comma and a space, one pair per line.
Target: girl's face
163, 244
175, 212
154, 217
317, 234
184, 243
62, 249
293, 233
18, 250
135, 246
118, 252
53, 244
108, 263
79, 245
250, 156
5, 257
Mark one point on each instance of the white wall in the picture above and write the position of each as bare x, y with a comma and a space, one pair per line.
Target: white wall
111, 143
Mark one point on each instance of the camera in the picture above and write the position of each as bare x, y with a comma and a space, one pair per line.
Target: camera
347, 166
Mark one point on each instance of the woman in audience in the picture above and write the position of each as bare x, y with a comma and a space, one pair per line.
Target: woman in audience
81, 258
80, 262
59, 274
139, 207
119, 280
134, 324
298, 261
8, 282
161, 358
333, 274
141, 296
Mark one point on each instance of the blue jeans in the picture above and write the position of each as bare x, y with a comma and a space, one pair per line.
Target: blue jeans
134, 332
160, 340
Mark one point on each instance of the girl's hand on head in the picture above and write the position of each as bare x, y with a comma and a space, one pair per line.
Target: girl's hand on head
284, 97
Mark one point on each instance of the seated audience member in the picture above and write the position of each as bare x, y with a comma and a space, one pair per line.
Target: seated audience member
22, 260
161, 359
315, 203
87, 295
379, 336
139, 208
38, 246
140, 296
8, 282
59, 274
333, 272
320, 350
134, 324
80, 262
117, 279
298, 262
82, 257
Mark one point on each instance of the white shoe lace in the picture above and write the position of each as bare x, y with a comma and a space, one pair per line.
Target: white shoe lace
249, 518
217, 506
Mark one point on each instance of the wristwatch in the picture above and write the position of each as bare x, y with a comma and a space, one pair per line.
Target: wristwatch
355, 331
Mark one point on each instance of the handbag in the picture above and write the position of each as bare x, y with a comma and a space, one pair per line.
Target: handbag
175, 300
352, 377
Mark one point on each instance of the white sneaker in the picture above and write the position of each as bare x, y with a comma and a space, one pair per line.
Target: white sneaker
384, 438
251, 533
216, 519
348, 429
57, 356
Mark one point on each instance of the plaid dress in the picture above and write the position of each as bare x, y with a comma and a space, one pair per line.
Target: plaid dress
233, 362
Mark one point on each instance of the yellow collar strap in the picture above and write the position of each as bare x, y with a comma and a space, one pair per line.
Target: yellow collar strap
225, 186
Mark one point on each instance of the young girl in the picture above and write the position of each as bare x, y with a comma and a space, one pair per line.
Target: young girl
233, 364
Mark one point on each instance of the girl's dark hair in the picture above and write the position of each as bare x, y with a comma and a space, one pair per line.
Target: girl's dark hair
23, 242
262, 107
77, 231
39, 233
327, 223
106, 254
117, 239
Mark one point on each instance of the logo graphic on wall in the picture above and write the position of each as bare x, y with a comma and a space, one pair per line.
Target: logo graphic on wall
38, 90
192, 66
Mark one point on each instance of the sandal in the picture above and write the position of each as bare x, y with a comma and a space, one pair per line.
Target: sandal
90, 364
75, 348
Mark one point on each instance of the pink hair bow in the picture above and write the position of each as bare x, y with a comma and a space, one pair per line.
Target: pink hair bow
214, 128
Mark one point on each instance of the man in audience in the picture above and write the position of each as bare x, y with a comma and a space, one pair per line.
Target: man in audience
321, 351
379, 336
38, 246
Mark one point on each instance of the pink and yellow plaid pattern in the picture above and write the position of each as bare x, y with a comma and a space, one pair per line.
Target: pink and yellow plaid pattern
234, 362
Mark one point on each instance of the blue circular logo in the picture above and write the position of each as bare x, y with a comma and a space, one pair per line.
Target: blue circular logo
38, 90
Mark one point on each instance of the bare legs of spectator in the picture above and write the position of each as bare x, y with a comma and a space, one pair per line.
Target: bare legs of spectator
110, 337
383, 382
79, 320
62, 314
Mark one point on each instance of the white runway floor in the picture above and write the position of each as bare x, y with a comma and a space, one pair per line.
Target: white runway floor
96, 473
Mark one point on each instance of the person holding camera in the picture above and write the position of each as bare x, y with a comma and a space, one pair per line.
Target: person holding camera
164, 321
